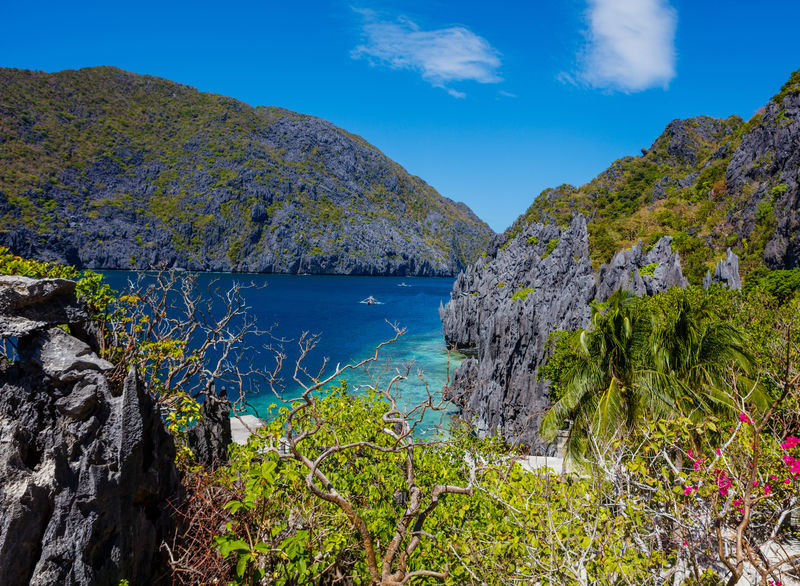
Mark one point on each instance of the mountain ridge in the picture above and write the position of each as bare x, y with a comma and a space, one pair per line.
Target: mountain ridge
711, 183
109, 169
705, 194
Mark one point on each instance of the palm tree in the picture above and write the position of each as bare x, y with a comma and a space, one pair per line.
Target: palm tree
602, 390
692, 350
642, 360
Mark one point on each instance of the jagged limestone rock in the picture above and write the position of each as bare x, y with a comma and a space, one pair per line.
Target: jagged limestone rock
29, 304
726, 272
498, 392
767, 165
86, 471
624, 271
210, 438
506, 334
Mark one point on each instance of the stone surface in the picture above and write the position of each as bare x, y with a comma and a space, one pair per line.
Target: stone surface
86, 470
60, 356
210, 438
497, 388
498, 391
726, 272
30, 304
766, 165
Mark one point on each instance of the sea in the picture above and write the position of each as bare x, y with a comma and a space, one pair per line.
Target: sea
347, 331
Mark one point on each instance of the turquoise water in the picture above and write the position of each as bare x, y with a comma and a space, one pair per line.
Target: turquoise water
348, 330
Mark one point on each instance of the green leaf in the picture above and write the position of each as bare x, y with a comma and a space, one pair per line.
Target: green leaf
242, 565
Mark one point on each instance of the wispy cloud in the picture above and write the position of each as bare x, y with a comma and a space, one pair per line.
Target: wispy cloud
441, 56
631, 45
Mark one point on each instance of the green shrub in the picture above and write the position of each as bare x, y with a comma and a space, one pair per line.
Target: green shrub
648, 269
522, 294
551, 246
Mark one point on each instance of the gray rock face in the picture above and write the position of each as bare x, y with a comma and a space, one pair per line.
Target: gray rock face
497, 389
624, 271
60, 356
210, 438
86, 470
726, 272
766, 165
213, 184
498, 392
30, 304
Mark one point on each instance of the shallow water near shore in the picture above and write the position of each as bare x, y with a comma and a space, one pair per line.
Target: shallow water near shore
348, 330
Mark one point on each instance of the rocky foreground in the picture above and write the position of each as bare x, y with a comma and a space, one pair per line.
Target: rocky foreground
107, 169
87, 472
503, 308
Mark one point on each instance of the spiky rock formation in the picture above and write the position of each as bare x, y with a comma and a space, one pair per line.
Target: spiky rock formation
502, 310
86, 470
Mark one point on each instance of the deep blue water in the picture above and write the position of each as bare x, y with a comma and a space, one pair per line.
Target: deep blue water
348, 330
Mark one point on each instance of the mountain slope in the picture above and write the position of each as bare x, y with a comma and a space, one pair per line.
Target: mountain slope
109, 169
703, 186
710, 183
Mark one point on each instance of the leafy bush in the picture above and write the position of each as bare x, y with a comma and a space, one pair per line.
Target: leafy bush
648, 269
551, 246
522, 294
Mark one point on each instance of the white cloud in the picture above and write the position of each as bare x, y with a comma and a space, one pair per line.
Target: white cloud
441, 56
631, 44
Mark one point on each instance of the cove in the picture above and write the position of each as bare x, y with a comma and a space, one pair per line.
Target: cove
348, 331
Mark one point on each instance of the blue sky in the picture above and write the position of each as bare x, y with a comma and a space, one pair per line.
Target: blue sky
489, 102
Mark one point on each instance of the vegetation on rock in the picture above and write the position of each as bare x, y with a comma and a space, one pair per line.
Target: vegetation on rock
109, 169
709, 183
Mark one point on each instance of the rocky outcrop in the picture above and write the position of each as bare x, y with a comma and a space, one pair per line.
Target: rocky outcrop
766, 167
502, 310
204, 182
726, 273
86, 469
641, 273
210, 438
30, 304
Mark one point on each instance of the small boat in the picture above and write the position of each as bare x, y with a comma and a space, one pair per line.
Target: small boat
370, 301
403, 284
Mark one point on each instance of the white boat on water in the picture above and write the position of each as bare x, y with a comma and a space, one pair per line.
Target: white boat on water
370, 301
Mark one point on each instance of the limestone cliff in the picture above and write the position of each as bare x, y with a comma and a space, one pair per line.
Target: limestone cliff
102, 168
503, 308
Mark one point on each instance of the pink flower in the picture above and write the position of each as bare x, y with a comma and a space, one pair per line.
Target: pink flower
688, 490
790, 442
723, 482
793, 464
744, 418
767, 489
719, 452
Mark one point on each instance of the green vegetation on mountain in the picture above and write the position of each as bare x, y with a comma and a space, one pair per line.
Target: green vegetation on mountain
709, 183
117, 170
